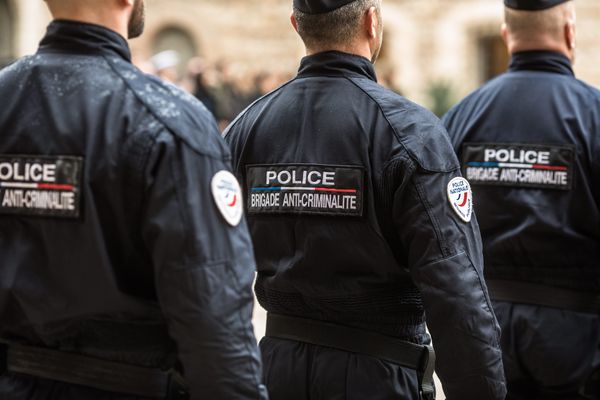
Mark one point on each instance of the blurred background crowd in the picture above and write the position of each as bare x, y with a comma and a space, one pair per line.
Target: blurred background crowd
224, 91
230, 52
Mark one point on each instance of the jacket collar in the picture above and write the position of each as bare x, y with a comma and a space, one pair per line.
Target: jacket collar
547, 61
75, 37
335, 63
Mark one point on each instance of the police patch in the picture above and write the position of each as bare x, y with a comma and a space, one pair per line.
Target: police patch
305, 189
461, 198
45, 186
228, 196
518, 165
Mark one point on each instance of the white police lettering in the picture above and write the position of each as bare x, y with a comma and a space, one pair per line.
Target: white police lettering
38, 199
518, 165
305, 189
34, 172
296, 177
40, 185
517, 156
228, 197
461, 198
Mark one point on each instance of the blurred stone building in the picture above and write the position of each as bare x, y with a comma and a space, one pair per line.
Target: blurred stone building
435, 51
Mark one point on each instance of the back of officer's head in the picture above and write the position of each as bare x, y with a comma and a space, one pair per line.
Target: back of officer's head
337, 28
550, 28
125, 16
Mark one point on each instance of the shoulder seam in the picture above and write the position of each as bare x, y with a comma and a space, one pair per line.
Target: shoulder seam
396, 134
159, 119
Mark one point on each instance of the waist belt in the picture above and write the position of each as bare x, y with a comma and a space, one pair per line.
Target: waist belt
91, 372
541, 295
418, 357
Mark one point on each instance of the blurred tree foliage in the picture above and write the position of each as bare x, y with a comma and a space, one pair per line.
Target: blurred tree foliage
440, 95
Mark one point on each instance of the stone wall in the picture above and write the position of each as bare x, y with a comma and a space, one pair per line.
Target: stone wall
426, 42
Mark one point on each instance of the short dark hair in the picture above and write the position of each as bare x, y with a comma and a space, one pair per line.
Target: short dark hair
336, 27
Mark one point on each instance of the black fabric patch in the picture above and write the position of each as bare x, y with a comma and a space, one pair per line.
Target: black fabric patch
518, 165
48, 186
305, 189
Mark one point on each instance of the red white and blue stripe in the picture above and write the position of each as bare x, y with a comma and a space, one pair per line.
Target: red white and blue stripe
301, 189
516, 165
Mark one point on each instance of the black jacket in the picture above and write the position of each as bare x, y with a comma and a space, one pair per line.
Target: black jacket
112, 244
529, 142
346, 189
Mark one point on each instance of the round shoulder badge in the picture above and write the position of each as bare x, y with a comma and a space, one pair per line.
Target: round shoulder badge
228, 197
461, 198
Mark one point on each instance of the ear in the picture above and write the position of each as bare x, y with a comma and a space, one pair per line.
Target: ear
293, 21
371, 23
504, 32
570, 35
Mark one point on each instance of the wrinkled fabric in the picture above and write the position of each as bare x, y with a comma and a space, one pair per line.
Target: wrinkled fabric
549, 354
537, 235
408, 255
151, 273
541, 235
20, 387
332, 374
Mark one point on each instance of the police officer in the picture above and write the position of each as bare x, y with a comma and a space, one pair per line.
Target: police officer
124, 259
362, 224
529, 143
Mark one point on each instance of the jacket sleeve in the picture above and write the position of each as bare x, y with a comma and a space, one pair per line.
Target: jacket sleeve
445, 259
204, 268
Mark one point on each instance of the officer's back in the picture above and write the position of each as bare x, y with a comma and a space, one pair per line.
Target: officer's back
117, 241
347, 189
529, 143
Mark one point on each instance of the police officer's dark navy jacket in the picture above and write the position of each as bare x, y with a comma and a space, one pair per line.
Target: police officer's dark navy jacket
529, 144
346, 192
113, 243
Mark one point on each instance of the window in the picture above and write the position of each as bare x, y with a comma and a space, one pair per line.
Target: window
6, 34
493, 57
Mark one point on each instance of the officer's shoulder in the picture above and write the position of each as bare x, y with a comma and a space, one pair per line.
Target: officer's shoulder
417, 129
252, 111
15, 67
590, 91
181, 113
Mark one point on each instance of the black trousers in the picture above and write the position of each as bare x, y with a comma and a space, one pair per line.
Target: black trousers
549, 354
23, 387
300, 371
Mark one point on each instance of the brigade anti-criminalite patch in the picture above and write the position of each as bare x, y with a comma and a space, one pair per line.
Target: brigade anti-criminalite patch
228, 197
461, 198
44, 186
519, 165
305, 189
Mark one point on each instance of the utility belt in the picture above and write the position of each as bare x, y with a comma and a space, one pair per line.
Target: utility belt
91, 372
418, 357
542, 295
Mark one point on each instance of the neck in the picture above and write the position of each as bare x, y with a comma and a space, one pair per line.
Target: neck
357, 49
98, 17
540, 45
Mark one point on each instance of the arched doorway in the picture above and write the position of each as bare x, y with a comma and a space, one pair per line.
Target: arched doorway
176, 39
6, 33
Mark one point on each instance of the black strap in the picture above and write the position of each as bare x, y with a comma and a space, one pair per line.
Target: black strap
542, 295
81, 370
418, 357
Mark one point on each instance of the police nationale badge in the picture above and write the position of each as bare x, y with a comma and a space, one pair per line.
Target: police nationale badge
461, 198
228, 196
